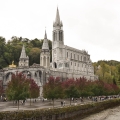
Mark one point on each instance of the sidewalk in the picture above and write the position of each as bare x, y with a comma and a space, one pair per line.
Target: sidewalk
9, 106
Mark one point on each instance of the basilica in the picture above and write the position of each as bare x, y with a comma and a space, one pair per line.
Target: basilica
67, 62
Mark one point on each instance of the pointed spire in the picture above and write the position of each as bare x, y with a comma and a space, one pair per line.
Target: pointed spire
45, 43
45, 37
23, 53
57, 20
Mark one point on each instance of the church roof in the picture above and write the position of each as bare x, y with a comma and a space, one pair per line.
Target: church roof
45, 43
23, 53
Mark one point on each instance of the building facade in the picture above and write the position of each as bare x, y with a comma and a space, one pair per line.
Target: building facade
67, 62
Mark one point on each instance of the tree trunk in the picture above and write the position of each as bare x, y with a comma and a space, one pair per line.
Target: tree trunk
53, 103
70, 100
30, 101
18, 104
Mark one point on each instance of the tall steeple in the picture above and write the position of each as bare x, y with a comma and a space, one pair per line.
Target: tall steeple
57, 17
45, 42
24, 60
58, 41
57, 20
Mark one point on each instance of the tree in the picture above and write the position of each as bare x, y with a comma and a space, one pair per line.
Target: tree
34, 90
52, 89
70, 89
34, 55
18, 88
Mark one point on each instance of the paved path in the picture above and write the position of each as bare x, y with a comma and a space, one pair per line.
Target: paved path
9, 106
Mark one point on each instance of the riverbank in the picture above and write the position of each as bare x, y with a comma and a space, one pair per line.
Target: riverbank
109, 114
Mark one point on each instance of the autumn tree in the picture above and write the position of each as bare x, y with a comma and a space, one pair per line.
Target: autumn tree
52, 89
17, 88
70, 89
34, 90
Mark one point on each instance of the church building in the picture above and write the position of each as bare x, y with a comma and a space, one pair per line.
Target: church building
67, 62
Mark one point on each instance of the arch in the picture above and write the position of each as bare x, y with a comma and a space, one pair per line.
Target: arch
38, 74
84, 59
8, 76
27, 73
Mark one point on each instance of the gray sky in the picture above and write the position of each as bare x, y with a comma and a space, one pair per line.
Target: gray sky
93, 25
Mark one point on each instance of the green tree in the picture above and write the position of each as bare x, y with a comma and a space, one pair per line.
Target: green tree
34, 56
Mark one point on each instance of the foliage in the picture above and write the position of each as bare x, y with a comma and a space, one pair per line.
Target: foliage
52, 89
11, 50
76, 88
34, 90
20, 88
17, 88
108, 71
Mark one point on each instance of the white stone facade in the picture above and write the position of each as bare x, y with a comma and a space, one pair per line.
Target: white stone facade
67, 62
70, 59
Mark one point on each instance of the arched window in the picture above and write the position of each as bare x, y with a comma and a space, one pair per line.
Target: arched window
71, 55
54, 36
67, 54
84, 58
55, 65
44, 61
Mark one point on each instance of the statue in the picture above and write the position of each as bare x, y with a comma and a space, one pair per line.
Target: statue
12, 62
12, 65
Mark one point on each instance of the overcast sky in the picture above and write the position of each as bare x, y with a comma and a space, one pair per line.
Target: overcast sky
93, 25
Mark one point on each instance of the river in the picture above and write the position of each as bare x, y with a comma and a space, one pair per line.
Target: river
109, 114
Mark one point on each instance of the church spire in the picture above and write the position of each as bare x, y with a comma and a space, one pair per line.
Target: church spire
57, 20
45, 37
23, 53
45, 42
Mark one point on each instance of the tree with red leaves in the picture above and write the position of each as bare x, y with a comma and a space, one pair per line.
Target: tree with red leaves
52, 89
70, 89
34, 90
17, 88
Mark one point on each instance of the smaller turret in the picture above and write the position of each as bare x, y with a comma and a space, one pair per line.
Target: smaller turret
45, 53
24, 60
45, 43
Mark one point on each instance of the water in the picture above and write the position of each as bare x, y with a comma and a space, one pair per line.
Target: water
109, 114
